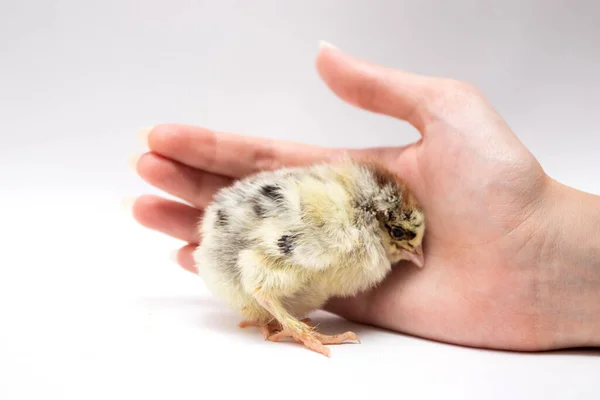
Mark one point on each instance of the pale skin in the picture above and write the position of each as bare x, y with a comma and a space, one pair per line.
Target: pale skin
512, 257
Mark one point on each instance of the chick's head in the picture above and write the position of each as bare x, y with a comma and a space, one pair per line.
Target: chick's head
402, 232
401, 220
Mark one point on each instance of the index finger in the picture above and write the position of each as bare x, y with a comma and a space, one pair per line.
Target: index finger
227, 153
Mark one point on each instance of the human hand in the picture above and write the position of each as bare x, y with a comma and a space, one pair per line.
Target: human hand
486, 198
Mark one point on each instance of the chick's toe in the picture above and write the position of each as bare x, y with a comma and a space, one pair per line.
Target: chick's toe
267, 328
308, 339
337, 339
313, 340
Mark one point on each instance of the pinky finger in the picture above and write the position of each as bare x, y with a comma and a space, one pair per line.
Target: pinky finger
184, 258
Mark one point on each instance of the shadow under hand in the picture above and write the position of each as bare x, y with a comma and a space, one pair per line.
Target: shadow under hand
579, 351
330, 324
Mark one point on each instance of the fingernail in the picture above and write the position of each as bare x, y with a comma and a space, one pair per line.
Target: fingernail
142, 136
174, 256
323, 44
133, 161
127, 204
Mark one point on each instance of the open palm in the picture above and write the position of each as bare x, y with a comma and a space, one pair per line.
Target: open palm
478, 184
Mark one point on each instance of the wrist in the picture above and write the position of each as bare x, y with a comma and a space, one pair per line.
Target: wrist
568, 285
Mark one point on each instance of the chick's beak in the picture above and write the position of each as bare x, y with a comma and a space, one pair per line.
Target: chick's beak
416, 256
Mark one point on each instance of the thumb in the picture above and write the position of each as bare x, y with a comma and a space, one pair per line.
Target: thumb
375, 88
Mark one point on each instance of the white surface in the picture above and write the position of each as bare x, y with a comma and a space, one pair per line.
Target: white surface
90, 305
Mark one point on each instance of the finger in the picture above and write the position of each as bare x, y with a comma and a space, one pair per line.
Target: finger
185, 259
192, 185
376, 88
229, 154
169, 217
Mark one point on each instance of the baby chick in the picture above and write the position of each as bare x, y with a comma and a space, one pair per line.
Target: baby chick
277, 245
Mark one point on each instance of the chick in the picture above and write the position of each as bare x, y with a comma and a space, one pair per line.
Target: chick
277, 245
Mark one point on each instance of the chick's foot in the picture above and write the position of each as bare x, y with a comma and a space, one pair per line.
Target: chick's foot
314, 341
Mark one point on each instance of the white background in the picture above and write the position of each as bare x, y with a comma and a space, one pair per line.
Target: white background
90, 304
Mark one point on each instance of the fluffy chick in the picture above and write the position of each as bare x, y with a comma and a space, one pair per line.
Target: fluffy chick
277, 245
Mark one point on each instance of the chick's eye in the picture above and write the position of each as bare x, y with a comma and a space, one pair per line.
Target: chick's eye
398, 233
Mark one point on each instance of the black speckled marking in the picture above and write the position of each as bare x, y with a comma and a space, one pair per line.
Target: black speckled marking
410, 235
221, 218
286, 244
272, 192
366, 206
258, 209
